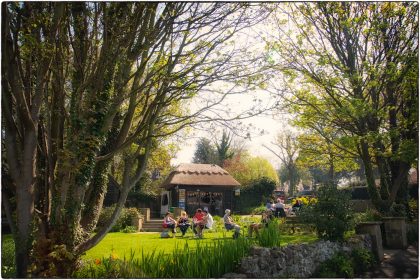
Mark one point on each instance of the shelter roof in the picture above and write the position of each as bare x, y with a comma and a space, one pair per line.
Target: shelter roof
199, 174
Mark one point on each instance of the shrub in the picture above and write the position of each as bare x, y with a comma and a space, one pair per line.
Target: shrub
339, 266
252, 195
258, 210
363, 259
110, 267
129, 229
368, 216
123, 221
8, 265
413, 209
331, 214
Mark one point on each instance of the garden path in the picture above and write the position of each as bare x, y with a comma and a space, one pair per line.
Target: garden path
397, 264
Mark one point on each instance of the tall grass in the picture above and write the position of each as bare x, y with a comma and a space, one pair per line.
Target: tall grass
270, 236
204, 261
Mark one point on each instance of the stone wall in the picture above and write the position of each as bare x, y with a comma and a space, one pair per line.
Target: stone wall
293, 261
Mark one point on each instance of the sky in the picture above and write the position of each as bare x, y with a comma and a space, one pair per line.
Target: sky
254, 146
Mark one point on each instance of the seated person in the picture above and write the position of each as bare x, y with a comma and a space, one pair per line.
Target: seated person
205, 223
209, 219
183, 222
280, 209
197, 220
169, 222
297, 205
266, 217
229, 224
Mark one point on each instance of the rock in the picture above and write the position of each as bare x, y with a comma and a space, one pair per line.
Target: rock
293, 261
234, 276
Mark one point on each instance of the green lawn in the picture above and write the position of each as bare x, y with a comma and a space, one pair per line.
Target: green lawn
121, 244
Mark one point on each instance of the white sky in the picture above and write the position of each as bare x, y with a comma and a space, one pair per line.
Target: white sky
254, 147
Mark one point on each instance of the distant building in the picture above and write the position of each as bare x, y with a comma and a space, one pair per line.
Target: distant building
192, 186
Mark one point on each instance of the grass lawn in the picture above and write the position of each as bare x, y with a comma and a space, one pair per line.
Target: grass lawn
121, 244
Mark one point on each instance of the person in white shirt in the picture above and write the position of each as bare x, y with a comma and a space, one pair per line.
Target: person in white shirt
229, 224
280, 209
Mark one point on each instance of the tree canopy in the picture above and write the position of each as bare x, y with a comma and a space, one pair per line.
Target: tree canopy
353, 68
84, 82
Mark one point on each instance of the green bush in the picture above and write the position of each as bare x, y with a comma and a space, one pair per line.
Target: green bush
252, 195
8, 265
258, 210
123, 221
129, 229
331, 215
339, 266
110, 267
363, 259
369, 215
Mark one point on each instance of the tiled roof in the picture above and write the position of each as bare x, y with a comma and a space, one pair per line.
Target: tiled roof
199, 174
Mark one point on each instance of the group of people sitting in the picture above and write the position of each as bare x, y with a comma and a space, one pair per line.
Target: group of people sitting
201, 220
278, 208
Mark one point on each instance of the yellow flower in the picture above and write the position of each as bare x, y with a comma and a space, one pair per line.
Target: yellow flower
114, 256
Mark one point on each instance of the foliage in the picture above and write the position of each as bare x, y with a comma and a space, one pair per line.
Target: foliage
353, 88
413, 205
184, 262
87, 83
252, 195
315, 151
305, 200
124, 220
270, 236
129, 229
339, 266
257, 210
205, 152
247, 169
111, 267
363, 260
331, 215
8, 265
223, 148
369, 215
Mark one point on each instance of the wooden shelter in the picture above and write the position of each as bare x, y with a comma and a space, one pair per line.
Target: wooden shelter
191, 186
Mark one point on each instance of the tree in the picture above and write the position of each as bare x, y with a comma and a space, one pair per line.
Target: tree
315, 151
247, 169
205, 152
288, 153
218, 153
84, 82
223, 148
354, 68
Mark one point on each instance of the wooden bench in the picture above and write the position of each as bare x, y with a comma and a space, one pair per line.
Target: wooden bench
295, 223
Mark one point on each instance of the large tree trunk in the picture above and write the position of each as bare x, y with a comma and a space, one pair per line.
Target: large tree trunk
25, 206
